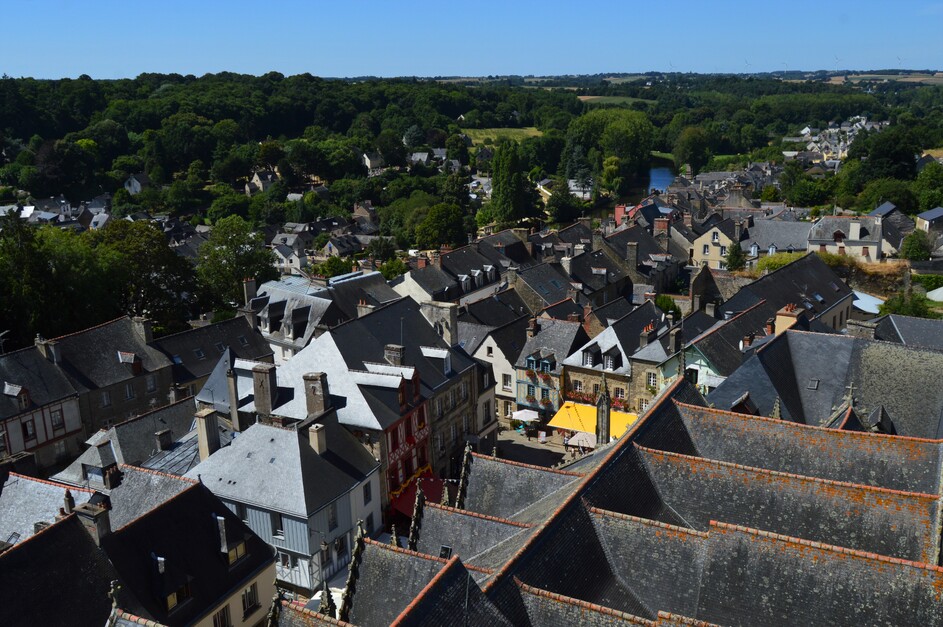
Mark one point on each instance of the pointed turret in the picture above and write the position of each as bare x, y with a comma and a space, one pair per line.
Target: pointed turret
327, 606
777, 412
603, 407
416, 525
394, 538
463, 478
350, 588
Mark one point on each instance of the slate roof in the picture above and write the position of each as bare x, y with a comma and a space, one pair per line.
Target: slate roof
562, 310
139, 492
27, 368
918, 332
277, 469
883, 209
211, 340
557, 338
796, 283
721, 344
90, 357
184, 454
785, 236
499, 309
825, 227
624, 336
467, 534
595, 271
932, 214
612, 311
134, 440
548, 281
439, 284
811, 373
25, 501
502, 489
511, 338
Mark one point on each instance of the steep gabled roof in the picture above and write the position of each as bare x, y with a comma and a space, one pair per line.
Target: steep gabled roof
27, 368
501, 488
211, 341
26, 501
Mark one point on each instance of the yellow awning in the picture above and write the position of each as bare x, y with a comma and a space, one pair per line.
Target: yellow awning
579, 417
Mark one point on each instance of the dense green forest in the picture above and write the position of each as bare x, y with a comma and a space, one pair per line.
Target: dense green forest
198, 139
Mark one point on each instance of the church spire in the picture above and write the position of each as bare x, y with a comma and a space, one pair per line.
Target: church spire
356, 556
603, 406
413, 541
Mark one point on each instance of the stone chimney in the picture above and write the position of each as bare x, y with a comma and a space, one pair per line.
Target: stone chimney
49, 349
533, 327
393, 354
631, 254
579, 249
249, 290
858, 328
317, 393
317, 437
647, 335
95, 520
444, 318
207, 432
68, 502
164, 439
674, 341
566, 263
250, 316
143, 328
688, 219
511, 276
711, 309
363, 308
436, 259
264, 388
737, 231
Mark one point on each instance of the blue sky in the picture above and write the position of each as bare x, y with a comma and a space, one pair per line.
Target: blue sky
110, 39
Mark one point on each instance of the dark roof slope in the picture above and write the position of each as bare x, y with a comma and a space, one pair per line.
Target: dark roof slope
548, 281
870, 459
500, 308
468, 534
720, 345
549, 608
211, 341
897, 524
920, 332
756, 578
90, 358
28, 369
501, 488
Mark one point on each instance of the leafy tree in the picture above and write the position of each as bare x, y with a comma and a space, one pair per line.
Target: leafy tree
22, 275
512, 195
334, 266
916, 246
736, 260
777, 261
771, 193
442, 225
393, 268
562, 207
909, 303
928, 187
668, 305
457, 149
233, 252
693, 148
229, 204
381, 248
894, 190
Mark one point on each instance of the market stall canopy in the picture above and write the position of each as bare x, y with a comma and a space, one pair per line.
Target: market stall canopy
526, 415
936, 295
586, 440
579, 417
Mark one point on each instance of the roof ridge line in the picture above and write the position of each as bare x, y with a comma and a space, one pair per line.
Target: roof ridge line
92, 328
148, 513
834, 548
620, 446
159, 473
307, 612
800, 425
647, 521
449, 565
37, 534
55, 484
147, 413
465, 512
602, 609
531, 466
397, 549
684, 620
192, 329
778, 473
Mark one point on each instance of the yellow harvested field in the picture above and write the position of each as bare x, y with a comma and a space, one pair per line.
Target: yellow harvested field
479, 135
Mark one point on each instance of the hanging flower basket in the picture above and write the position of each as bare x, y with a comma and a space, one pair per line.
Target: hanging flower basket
545, 377
546, 402
530, 398
531, 374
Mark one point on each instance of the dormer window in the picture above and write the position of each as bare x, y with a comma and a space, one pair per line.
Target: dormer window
236, 553
587, 358
531, 363
609, 362
838, 237
754, 250
715, 236
772, 249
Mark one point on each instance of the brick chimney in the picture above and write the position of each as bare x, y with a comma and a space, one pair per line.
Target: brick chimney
264, 387
771, 326
661, 227
421, 262
533, 327
95, 520
647, 335
363, 308
207, 432
143, 328
317, 437
317, 393
688, 218
747, 340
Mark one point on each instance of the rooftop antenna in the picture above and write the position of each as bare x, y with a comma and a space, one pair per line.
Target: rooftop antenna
3, 340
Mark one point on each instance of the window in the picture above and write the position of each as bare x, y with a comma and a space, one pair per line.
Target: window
530, 390
707, 250
772, 249
864, 251
577, 385
367, 496
439, 444
453, 432
394, 439
506, 382
222, 618
106, 399
653, 379
250, 599
545, 366
241, 512
715, 236
237, 552
128, 391
813, 384
723, 251
179, 596
56, 416
243, 340
754, 250
340, 546
595, 389
642, 404
220, 347
619, 392
199, 353
29, 430
489, 351
587, 358
278, 525
332, 517
151, 382
609, 362
544, 393
507, 408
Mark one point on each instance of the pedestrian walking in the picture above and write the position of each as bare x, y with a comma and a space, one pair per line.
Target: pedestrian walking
566, 443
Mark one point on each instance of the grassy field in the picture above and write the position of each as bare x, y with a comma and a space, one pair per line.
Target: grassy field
611, 99
915, 77
936, 153
479, 135
663, 155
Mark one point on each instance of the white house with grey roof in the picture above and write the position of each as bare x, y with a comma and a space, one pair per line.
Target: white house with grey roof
302, 490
